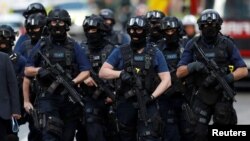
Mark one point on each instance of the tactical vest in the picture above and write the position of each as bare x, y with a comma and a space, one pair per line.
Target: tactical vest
172, 56
63, 55
220, 52
142, 63
98, 57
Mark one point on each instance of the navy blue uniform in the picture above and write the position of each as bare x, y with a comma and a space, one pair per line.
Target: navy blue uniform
235, 58
57, 105
80, 57
127, 112
171, 101
96, 111
115, 59
19, 42
208, 101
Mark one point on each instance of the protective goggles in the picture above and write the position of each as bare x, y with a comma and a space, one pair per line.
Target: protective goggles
209, 17
32, 22
34, 7
5, 33
136, 22
169, 25
90, 22
154, 14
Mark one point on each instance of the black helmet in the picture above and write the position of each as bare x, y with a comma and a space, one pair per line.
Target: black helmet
170, 23
154, 15
59, 14
8, 32
107, 14
94, 21
210, 16
35, 20
34, 8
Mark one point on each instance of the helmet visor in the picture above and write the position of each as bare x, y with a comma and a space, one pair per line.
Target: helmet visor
136, 22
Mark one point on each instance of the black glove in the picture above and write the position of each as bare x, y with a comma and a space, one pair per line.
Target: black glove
149, 99
125, 77
43, 73
195, 66
72, 83
229, 78
44, 77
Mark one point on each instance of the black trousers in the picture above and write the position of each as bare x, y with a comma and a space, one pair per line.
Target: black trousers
3, 129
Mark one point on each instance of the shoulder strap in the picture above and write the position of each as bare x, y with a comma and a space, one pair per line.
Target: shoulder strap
127, 54
149, 56
106, 51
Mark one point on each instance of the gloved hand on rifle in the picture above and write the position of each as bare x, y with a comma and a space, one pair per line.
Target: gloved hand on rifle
44, 77
149, 99
43, 72
195, 67
229, 78
125, 77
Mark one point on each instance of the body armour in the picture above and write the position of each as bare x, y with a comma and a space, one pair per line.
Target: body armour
62, 54
143, 64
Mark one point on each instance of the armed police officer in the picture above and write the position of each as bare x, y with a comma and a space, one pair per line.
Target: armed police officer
136, 66
171, 101
115, 37
7, 38
97, 49
34, 26
154, 17
58, 57
214, 62
33, 8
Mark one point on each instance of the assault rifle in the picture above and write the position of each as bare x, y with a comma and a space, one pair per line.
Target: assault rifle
63, 78
214, 70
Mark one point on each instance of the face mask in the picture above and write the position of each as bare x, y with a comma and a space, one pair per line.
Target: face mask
155, 31
7, 49
109, 28
95, 39
58, 33
140, 43
35, 36
174, 38
210, 33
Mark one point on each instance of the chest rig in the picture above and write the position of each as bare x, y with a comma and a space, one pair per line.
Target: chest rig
62, 54
219, 52
142, 64
172, 56
98, 57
